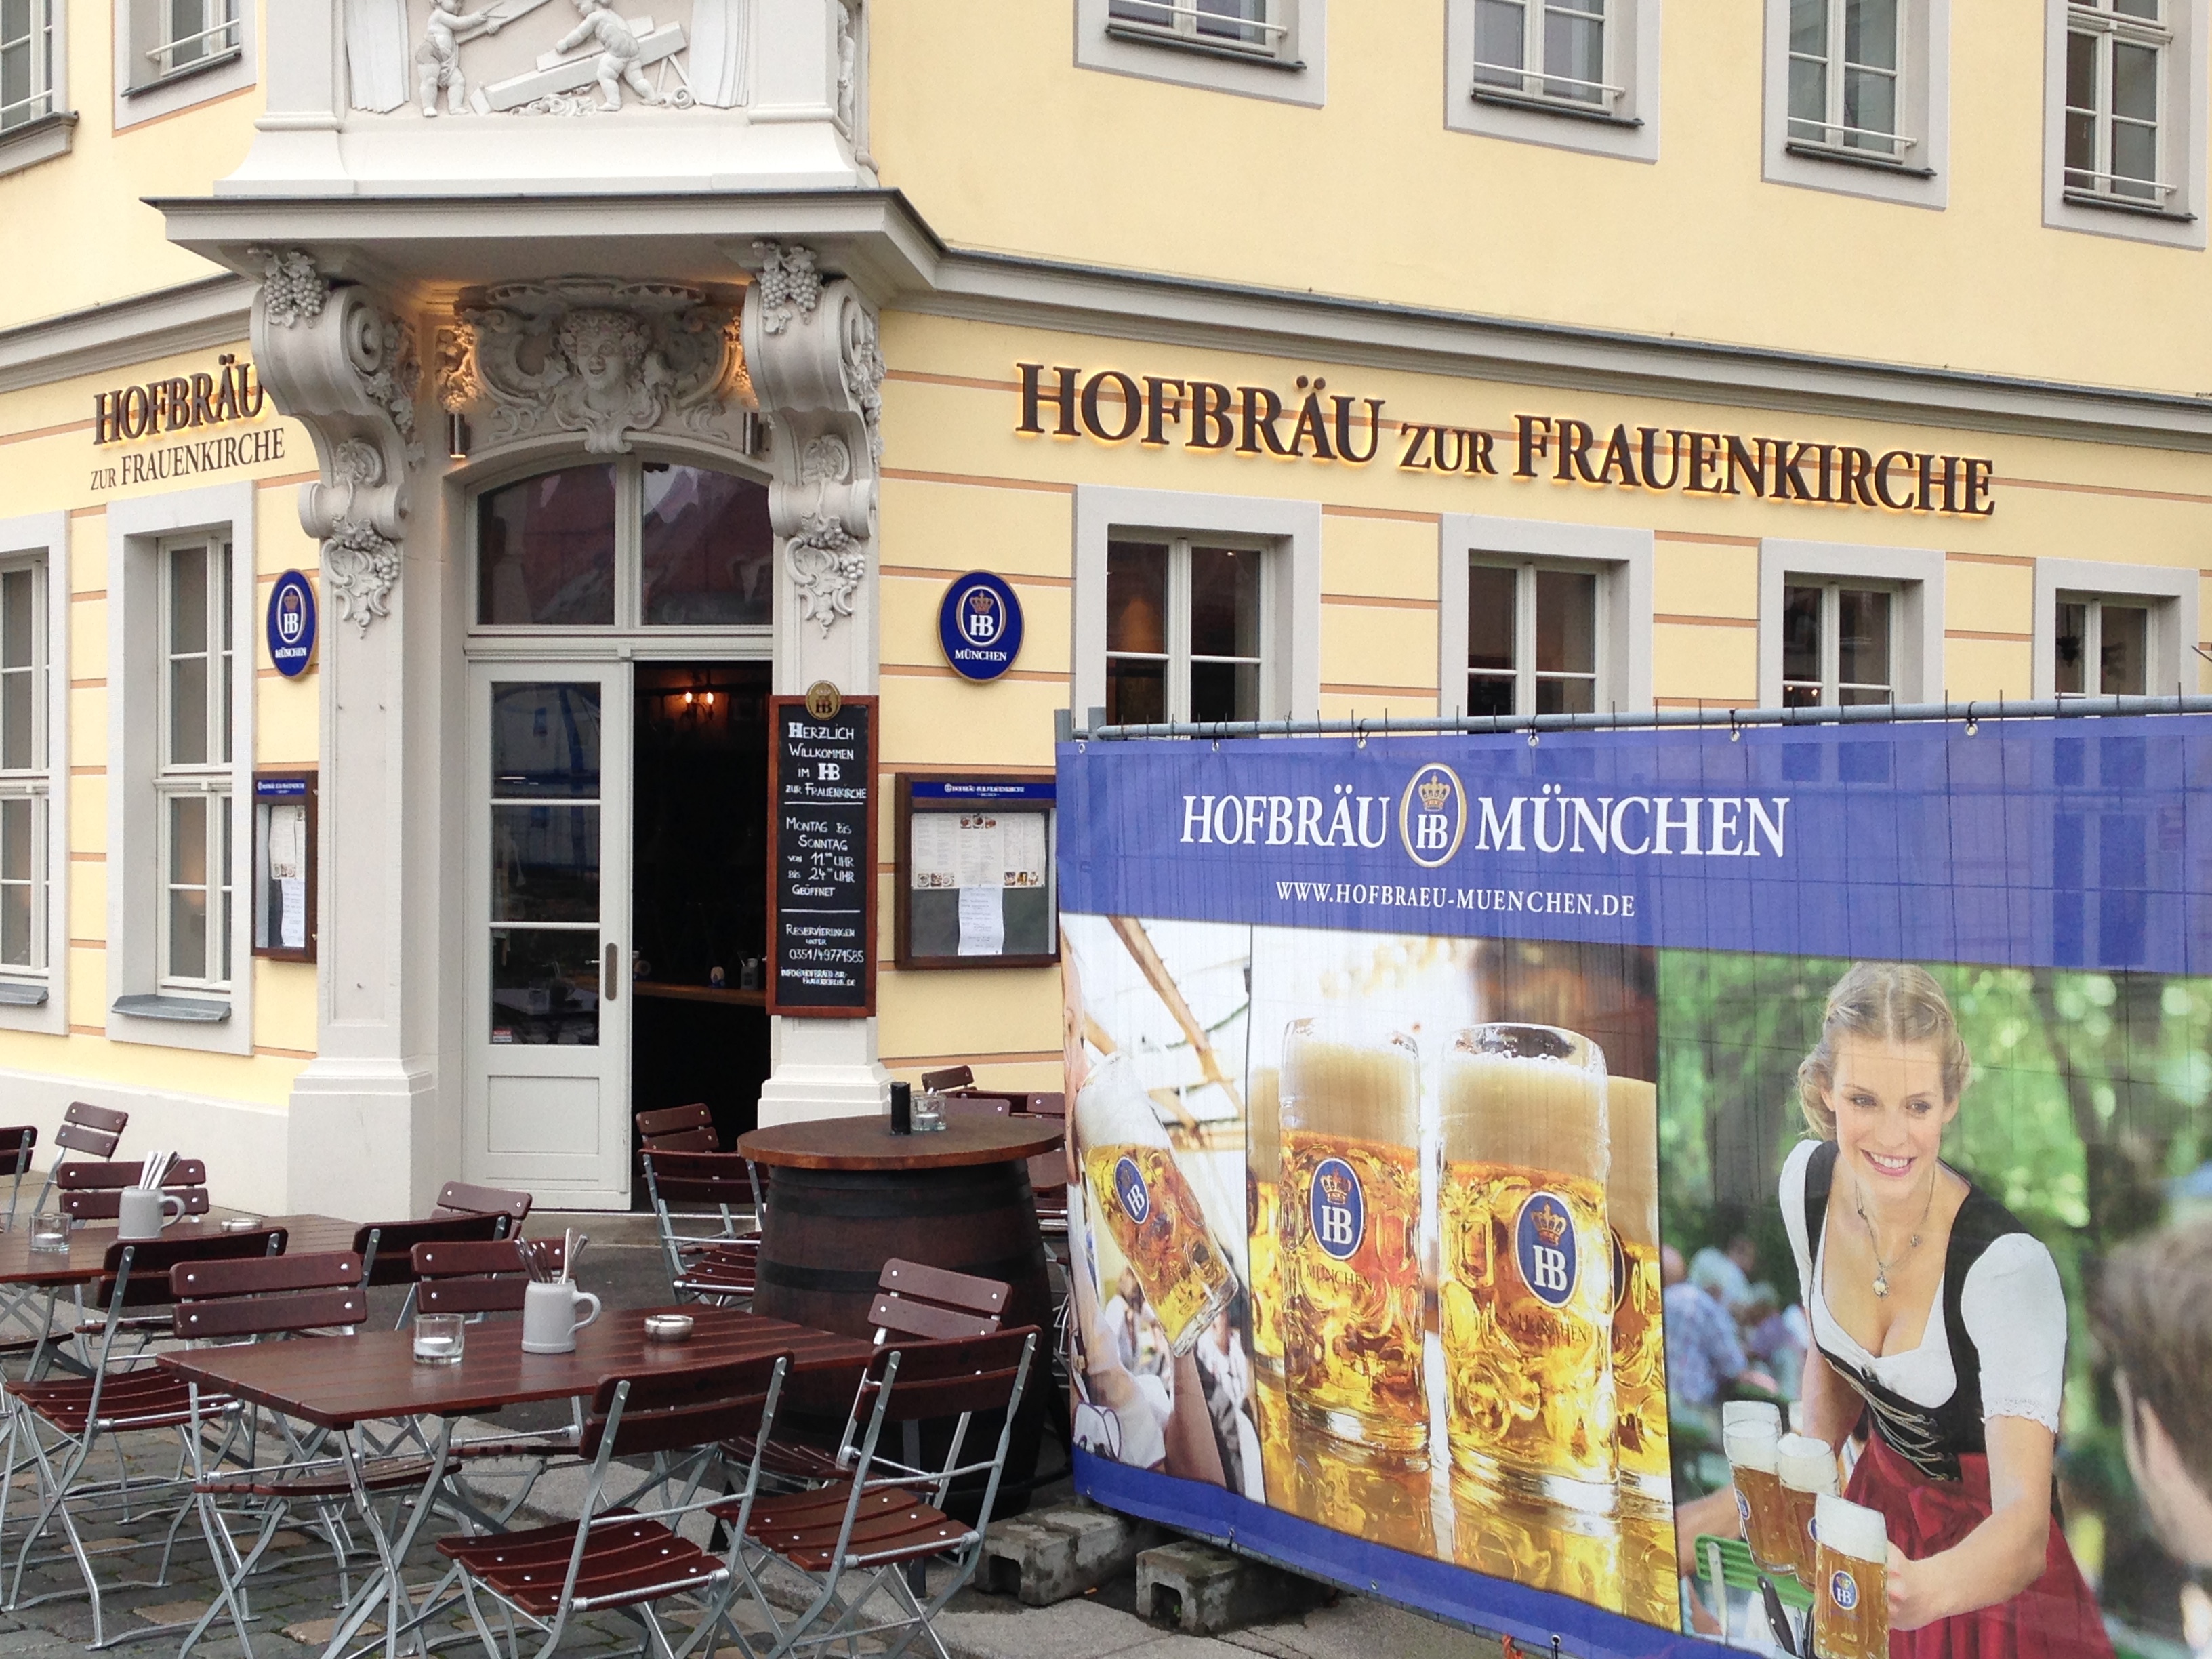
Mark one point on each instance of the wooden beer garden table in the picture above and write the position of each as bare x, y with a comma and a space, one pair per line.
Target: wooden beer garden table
342, 1382
845, 1195
90, 1241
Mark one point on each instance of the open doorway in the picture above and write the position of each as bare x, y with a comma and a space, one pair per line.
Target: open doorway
700, 892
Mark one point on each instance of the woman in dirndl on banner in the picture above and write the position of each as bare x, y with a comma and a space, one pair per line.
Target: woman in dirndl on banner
1939, 1328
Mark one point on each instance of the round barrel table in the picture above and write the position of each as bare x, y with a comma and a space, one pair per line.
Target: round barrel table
845, 1195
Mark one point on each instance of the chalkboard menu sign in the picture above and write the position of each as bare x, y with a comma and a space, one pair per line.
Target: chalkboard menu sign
822, 888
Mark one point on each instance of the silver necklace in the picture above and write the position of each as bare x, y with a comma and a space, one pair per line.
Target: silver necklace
1874, 1239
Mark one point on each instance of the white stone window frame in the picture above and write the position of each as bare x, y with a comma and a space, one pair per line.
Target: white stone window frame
1915, 574
42, 540
51, 132
1297, 73
2185, 89
2170, 591
137, 531
1289, 533
142, 93
1628, 131
1922, 178
1620, 557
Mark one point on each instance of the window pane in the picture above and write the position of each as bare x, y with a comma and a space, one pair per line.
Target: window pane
545, 550
1809, 28
1489, 694
1490, 607
545, 863
188, 840
545, 740
1230, 20
2135, 156
187, 887
16, 588
1498, 26
1863, 639
1801, 635
2082, 71
188, 695
707, 552
1870, 104
2080, 151
221, 806
188, 568
1566, 622
1136, 597
546, 986
2123, 650
185, 22
1574, 45
1870, 33
1225, 691
17, 694
1566, 696
2137, 8
2134, 82
15, 839
220, 681
1136, 692
1801, 696
2071, 646
1225, 602
1808, 92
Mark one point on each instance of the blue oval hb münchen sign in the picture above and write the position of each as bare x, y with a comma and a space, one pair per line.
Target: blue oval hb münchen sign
980, 626
292, 624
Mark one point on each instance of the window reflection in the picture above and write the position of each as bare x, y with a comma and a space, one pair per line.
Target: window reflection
707, 547
545, 550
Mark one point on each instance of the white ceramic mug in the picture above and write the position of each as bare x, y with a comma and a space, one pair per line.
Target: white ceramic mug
548, 1317
142, 1211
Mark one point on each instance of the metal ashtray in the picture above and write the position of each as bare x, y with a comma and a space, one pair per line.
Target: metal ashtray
240, 1223
668, 1327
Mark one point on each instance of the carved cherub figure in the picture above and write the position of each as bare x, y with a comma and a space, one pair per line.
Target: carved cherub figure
438, 59
618, 52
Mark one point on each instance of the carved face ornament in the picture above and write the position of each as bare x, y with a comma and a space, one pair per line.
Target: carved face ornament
605, 347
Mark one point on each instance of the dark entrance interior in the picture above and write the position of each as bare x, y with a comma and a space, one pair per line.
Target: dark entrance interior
700, 892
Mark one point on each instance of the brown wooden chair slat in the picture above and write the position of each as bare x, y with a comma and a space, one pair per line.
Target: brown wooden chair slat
86, 1174
949, 1076
152, 1259
387, 1246
266, 1296
314, 1270
15, 1143
1052, 1105
475, 1276
670, 1124
903, 1317
105, 1205
467, 1199
964, 1292
702, 1177
105, 1119
979, 1106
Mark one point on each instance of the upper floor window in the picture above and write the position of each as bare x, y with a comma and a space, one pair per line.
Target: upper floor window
1543, 49
173, 54
1839, 645
26, 61
625, 543
25, 782
1846, 59
190, 33
1186, 634
1242, 26
2102, 646
2115, 103
1532, 640
193, 783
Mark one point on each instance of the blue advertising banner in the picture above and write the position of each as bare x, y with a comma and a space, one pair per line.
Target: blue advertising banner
1655, 1188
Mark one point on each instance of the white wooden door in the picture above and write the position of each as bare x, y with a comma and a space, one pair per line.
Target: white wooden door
548, 802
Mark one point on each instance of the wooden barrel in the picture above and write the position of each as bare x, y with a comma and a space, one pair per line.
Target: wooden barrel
829, 1232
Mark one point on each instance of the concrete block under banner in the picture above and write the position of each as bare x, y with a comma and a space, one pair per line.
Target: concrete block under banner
1202, 1591
1055, 1555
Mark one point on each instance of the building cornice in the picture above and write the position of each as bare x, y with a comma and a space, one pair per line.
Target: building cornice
122, 333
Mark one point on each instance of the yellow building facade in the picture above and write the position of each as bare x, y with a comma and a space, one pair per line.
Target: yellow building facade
1499, 357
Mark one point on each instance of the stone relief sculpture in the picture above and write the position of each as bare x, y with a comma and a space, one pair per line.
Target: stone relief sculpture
617, 64
438, 59
788, 285
848, 57
606, 358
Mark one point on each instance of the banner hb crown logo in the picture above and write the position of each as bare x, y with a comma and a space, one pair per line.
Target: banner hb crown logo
1337, 1209
980, 624
1432, 816
1129, 1187
1546, 1249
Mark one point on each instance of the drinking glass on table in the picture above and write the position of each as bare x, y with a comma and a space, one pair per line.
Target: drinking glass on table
50, 1233
928, 1112
438, 1337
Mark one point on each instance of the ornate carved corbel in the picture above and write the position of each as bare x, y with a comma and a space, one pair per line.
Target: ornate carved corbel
810, 343
347, 369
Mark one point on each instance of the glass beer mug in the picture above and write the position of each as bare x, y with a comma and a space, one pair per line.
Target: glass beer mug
1806, 1469
1850, 1587
1639, 1337
1527, 1286
1137, 1185
1753, 1455
1350, 1226
1263, 1182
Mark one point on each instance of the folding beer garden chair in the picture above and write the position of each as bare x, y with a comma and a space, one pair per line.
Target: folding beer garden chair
94, 1131
870, 1523
718, 1266
386, 1247
618, 1553
474, 1278
59, 1425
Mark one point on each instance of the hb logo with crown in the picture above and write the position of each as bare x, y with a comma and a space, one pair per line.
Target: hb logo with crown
1546, 1249
1432, 816
981, 621
1337, 1209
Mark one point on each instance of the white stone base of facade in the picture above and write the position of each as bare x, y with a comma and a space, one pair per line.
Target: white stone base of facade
245, 1147
823, 1068
364, 1142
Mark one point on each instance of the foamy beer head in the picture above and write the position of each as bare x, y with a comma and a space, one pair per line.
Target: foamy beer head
1805, 1464
1529, 1097
1263, 1145
1752, 1445
1850, 1591
1631, 1191
1734, 1411
1114, 1109
1349, 1078
1852, 1529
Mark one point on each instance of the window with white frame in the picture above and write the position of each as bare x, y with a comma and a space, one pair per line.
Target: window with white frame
1838, 644
26, 61
1549, 50
26, 781
1533, 638
1248, 26
192, 784
1186, 630
190, 33
1846, 69
2115, 100
1271, 49
2101, 646
1579, 75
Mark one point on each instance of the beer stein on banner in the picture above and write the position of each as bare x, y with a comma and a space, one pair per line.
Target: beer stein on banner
1807, 1468
1639, 1336
1527, 1272
1752, 1446
1263, 1180
1350, 1231
1137, 1185
1850, 1589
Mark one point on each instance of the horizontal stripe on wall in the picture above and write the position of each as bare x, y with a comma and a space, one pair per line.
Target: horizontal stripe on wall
931, 573
1672, 619
927, 671
1379, 603
1977, 634
1404, 515
2013, 559
977, 480
1423, 692
1026, 1057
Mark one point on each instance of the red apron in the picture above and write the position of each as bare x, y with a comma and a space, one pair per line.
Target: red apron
2054, 1618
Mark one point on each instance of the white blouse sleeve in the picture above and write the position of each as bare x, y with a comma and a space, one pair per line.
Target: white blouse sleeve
2014, 1311
1793, 1215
